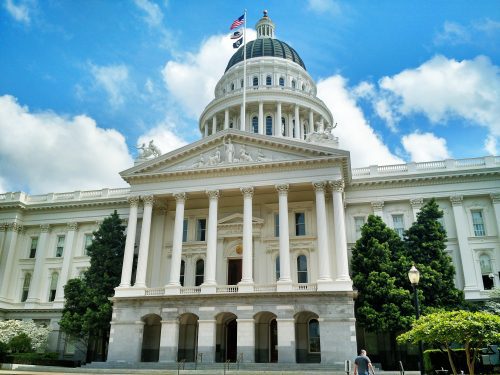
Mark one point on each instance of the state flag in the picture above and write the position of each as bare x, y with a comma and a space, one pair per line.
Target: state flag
237, 43
236, 34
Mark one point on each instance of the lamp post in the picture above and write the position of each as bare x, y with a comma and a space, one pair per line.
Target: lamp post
414, 276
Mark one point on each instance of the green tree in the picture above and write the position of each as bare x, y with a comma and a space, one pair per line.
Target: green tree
87, 310
425, 246
473, 330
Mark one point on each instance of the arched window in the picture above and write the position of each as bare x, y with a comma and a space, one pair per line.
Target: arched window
269, 81
231, 125
269, 125
313, 336
486, 271
26, 287
277, 268
293, 84
303, 87
53, 286
256, 81
302, 269
255, 124
200, 272
183, 271
232, 86
282, 81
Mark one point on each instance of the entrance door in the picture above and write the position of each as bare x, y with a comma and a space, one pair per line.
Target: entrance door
273, 341
231, 340
233, 271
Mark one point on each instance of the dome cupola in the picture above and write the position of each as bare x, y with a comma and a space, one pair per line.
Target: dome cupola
265, 27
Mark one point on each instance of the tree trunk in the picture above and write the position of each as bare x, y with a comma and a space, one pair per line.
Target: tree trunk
450, 358
470, 359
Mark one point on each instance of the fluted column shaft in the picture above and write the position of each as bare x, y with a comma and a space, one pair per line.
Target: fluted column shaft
321, 224
277, 125
297, 122
142, 262
128, 256
242, 118
311, 121
67, 258
206, 129
34, 292
261, 117
175, 265
284, 238
339, 232
213, 199
226, 119
247, 272
214, 124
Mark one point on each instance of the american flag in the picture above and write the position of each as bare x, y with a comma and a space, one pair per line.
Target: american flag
237, 22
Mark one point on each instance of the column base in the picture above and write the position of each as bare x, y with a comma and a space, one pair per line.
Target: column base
284, 286
209, 288
246, 287
341, 285
129, 291
325, 285
172, 290
31, 303
58, 304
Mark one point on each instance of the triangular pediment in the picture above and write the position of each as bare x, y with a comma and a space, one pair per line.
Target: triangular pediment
234, 149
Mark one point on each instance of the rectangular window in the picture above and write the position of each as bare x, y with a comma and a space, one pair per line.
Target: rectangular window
201, 230
185, 230
300, 224
87, 242
398, 224
276, 225
60, 246
33, 245
478, 223
359, 221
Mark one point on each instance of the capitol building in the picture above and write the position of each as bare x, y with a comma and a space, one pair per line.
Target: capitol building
242, 239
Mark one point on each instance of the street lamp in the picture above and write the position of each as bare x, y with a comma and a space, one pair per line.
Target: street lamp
414, 276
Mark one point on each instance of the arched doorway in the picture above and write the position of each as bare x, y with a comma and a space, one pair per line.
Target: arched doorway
188, 337
226, 338
151, 338
307, 338
266, 337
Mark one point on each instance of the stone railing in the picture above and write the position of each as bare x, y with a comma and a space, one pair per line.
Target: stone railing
190, 290
426, 167
74, 196
155, 291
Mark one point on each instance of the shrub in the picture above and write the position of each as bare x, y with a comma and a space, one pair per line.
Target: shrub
20, 344
11, 328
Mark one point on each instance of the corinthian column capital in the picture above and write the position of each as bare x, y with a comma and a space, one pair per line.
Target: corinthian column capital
180, 197
133, 201
319, 186
456, 200
247, 191
338, 185
148, 200
213, 194
282, 189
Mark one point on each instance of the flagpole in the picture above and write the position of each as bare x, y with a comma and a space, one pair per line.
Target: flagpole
243, 115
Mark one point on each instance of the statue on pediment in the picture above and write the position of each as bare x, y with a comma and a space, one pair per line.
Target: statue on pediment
244, 155
148, 152
229, 147
214, 159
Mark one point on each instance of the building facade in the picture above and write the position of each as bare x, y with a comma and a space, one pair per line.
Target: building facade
242, 239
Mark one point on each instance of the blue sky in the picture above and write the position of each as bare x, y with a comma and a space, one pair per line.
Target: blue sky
83, 82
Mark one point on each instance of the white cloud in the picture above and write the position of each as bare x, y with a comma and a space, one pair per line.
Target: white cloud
163, 136
443, 88
191, 80
114, 79
45, 152
452, 34
425, 147
153, 14
20, 11
354, 132
325, 6
490, 145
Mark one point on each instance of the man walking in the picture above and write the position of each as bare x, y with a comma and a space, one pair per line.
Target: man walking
362, 364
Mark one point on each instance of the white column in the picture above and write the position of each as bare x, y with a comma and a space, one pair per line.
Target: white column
128, 256
321, 228
214, 124
246, 339
36, 279
206, 129
378, 209
67, 258
322, 125
206, 339
169, 340
341, 257
285, 281
226, 119
142, 262
311, 121
297, 122
209, 284
465, 253
495, 199
175, 264
416, 205
277, 123
242, 118
247, 272
10, 243
261, 117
